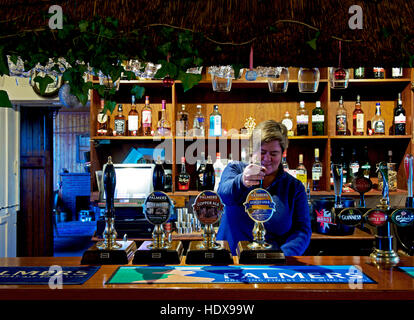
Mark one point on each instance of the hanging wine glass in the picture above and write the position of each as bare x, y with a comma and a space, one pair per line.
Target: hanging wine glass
308, 80
339, 77
277, 79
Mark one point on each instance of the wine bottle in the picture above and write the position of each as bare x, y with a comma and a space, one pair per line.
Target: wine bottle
183, 177
399, 118
209, 177
158, 176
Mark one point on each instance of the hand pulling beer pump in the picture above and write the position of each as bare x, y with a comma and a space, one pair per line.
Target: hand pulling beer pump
381, 217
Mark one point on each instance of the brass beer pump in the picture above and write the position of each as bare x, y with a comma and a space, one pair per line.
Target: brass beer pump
109, 251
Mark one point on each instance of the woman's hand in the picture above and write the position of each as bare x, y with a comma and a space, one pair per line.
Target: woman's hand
253, 174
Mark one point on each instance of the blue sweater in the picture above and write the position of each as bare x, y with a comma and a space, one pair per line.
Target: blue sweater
289, 228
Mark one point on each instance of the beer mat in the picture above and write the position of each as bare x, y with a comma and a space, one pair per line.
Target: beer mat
408, 270
46, 275
238, 274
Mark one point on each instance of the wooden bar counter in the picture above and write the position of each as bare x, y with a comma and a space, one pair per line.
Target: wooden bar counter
392, 284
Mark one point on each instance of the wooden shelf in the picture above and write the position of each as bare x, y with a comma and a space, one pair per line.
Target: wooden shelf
371, 137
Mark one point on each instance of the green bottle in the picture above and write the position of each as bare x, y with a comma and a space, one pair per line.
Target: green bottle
318, 120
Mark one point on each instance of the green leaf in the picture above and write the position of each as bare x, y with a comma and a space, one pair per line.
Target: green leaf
43, 82
165, 48
4, 100
109, 105
83, 26
167, 69
138, 91
189, 80
312, 42
410, 62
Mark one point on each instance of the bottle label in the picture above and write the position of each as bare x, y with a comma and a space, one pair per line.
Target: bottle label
302, 119
400, 119
288, 123
316, 174
119, 126
341, 123
379, 127
132, 123
360, 122
302, 177
146, 118
318, 118
354, 168
102, 117
215, 125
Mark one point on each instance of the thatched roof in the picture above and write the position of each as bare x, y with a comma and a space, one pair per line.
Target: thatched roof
278, 30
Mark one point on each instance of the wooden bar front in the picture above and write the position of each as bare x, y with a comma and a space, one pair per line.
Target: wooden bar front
392, 284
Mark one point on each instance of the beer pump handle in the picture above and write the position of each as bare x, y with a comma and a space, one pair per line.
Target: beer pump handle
109, 180
408, 164
382, 168
337, 175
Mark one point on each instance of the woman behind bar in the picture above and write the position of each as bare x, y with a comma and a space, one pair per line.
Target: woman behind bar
289, 228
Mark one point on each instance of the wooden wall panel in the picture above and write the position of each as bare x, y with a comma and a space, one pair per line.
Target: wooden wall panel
67, 126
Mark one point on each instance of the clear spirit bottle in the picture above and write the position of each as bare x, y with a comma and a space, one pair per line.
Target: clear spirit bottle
215, 123
378, 121
163, 126
199, 123
181, 125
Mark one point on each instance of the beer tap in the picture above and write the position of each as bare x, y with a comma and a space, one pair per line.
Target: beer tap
381, 217
109, 235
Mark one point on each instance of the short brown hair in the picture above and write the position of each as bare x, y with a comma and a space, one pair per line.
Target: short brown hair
267, 131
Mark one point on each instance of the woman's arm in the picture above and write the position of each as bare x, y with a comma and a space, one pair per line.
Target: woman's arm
231, 189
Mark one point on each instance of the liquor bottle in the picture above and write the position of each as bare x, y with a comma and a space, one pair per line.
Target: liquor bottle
163, 126
359, 73
102, 121
353, 166
396, 72
218, 170
358, 118
288, 122
158, 176
200, 168
379, 72
209, 176
365, 166
182, 122
341, 119
133, 119
399, 118
146, 118
215, 123
183, 177
199, 123
302, 120
285, 164
301, 173
119, 123
318, 120
378, 122
316, 172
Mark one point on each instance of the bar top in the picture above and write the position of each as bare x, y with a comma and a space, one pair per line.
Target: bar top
392, 284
